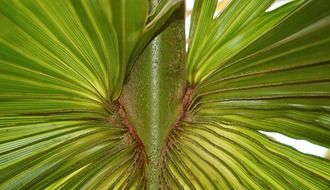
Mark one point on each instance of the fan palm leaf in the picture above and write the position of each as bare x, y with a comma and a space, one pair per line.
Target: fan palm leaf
100, 94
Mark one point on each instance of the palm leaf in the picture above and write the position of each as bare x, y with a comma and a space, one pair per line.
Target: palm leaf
62, 66
254, 70
89, 94
283, 85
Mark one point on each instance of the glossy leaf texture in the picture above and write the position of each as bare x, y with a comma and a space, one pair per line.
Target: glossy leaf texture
253, 70
62, 67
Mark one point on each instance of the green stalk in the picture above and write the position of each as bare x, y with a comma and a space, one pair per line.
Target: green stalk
153, 91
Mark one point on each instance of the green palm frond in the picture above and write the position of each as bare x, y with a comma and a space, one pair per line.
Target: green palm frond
254, 70
279, 81
89, 94
63, 64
